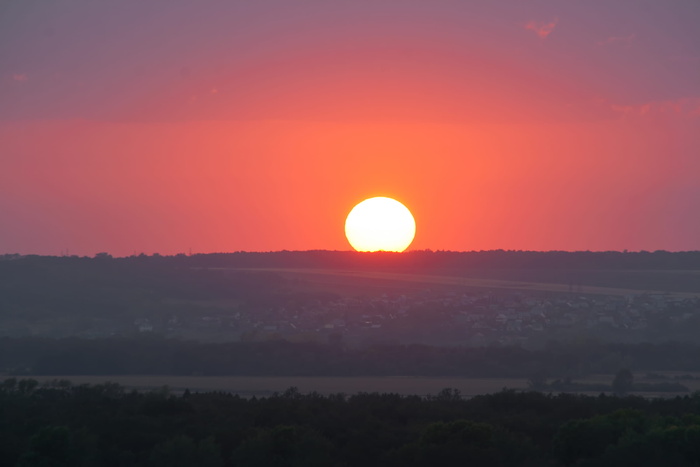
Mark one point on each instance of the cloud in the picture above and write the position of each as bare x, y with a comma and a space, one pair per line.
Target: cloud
20, 77
542, 29
683, 107
624, 41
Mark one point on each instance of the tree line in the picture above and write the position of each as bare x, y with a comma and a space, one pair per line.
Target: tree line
422, 259
59, 424
73, 356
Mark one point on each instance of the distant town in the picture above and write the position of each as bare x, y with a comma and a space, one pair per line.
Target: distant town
232, 297
472, 319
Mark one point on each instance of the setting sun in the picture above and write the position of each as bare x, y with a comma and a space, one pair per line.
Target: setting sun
380, 224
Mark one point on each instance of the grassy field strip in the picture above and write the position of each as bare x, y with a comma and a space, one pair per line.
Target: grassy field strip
264, 386
468, 282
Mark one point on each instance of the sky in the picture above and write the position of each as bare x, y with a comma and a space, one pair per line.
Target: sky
172, 126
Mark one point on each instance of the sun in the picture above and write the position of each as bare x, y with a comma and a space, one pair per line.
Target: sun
380, 224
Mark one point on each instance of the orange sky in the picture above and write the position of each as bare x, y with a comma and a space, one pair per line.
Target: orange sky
544, 128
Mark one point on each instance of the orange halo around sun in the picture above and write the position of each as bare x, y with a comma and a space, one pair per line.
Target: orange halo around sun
380, 224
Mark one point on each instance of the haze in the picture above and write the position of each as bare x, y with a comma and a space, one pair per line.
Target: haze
222, 126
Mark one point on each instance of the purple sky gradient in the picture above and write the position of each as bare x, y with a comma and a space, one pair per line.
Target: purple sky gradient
501, 124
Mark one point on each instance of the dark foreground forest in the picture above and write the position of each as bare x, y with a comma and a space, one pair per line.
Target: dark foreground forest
63, 425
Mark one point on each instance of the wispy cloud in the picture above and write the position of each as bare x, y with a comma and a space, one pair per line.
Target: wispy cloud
542, 29
624, 41
20, 77
682, 107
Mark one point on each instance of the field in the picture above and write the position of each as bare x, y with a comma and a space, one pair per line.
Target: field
259, 386
341, 280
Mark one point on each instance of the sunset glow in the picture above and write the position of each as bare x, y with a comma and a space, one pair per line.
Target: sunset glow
226, 126
380, 224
